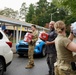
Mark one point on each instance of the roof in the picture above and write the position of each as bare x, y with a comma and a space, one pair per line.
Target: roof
13, 21
16, 22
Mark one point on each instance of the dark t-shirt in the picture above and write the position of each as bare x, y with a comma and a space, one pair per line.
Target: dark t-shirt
50, 49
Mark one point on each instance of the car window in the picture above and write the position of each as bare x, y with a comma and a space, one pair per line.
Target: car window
1, 36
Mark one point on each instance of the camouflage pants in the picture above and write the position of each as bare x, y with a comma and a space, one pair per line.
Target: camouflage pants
30, 54
63, 68
51, 59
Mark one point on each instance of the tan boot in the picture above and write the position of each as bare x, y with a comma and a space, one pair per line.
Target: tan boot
33, 64
29, 66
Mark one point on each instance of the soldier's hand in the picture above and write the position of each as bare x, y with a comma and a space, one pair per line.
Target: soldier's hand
71, 29
30, 42
47, 43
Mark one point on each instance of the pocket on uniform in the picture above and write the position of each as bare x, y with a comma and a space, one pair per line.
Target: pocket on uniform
55, 64
65, 66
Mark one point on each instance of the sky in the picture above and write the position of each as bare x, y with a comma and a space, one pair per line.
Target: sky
16, 4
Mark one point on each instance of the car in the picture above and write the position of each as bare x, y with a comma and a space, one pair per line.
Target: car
6, 54
22, 48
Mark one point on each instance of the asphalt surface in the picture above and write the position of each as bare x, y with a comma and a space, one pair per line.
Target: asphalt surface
17, 67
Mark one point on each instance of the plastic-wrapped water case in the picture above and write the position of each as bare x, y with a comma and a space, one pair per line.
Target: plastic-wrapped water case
74, 28
28, 37
43, 36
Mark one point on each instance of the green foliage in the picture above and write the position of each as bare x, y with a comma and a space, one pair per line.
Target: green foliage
70, 8
23, 11
40, 14
37, 14
30, 13
70, 19
67, 4
8, 12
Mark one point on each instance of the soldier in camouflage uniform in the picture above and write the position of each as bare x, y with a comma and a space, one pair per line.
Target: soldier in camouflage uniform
64, 47
31, 47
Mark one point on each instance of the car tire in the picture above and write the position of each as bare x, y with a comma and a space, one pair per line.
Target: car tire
43, 51
21, 55
1, 67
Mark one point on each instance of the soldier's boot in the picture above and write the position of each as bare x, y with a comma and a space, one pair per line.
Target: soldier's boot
29, 66
32, 64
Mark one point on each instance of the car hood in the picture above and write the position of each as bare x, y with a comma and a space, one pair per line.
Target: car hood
39, 40
23, 42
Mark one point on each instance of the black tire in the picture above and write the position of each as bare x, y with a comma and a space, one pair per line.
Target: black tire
21, 55
1, 67
43, 51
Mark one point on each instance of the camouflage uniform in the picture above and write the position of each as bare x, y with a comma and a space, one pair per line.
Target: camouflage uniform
64, 57
31, 49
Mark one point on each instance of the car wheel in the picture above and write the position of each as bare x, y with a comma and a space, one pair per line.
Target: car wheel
43, 51
21, 55
1, 67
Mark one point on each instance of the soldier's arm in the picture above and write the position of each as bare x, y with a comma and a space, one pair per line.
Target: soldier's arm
49, 43
54, 36
71, 46
35, 38
71, 36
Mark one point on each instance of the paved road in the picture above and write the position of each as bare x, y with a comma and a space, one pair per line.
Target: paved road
17, 66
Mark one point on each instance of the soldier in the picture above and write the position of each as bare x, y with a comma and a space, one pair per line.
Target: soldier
50, 48
64, 47
7, 34
31, 47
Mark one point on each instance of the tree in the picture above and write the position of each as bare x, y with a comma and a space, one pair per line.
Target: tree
45, 9
23, 11
37, 14
68, 5
8, 12
30, 13
40, 14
